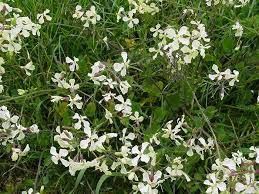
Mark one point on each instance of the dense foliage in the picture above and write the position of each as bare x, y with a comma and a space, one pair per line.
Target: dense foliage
129, 96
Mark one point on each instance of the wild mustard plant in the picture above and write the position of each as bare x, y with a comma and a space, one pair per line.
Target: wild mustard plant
133, 134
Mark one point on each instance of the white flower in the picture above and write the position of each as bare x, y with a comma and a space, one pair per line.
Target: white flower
156, 30
214, 184
105, 40
176, 170
138, 119
11, 46
181, 46
19, 153
8, 120
75, 101
5, 8
78, 13
129, 18
81, 120
64, 138
140, 154
185, 11
34, 128
18, 132
172, 133
154, 139
204, 146
21, 91
40, 17
71, 85
151, 182
119, 14
218, 74
221, 77
92, 141
59, 156
56, 98
255, 153
239, 29
243, 3
230, 164
75, 166
2, 61
90, 16
122, 67
249, 186
30, 191
59, 78
233, 77
95, 76
238, 157
108, 116
108, 96
73, 66
97, 79
157, 51
126, 139
124, 87
97, 67
110, 83
103, 168
124, 107
28, 68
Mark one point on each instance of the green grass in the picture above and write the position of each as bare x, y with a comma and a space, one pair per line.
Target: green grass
157, 93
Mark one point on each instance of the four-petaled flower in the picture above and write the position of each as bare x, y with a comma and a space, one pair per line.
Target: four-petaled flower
59, 156
141, 155
122, 67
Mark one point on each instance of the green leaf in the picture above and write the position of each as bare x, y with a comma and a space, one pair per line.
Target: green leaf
210, 111
90, 109
154, 89
173, 101
78, 180
61, 108
102, 179
228, 44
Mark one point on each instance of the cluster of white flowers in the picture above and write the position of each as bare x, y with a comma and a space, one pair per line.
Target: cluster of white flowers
59, 78
13, 28
177, 133
239, 32
89, 140
85, 145
235, 3
136, 160
180, 46
31, 191
235, 174
88, 17
138, 6
221, 78
11, 132
114, 83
